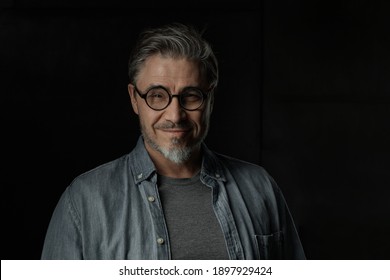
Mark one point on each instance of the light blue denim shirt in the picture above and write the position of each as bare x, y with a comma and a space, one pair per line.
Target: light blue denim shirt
114, 212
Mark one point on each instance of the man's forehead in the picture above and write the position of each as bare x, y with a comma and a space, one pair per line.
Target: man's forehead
171, 70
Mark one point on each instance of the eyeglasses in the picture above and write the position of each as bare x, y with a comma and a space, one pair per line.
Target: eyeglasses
158, 98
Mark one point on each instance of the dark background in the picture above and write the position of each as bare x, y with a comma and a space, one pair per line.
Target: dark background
304, 91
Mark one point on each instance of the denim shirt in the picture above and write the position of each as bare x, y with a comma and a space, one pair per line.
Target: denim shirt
114, 212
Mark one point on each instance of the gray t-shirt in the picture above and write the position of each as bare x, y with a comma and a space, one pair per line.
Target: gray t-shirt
193, 228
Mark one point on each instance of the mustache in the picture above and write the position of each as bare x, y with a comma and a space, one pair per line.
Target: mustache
171, 125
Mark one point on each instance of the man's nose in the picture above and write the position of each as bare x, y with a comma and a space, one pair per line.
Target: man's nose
174, 112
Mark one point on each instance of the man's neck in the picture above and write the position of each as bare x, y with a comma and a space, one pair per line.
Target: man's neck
168, 168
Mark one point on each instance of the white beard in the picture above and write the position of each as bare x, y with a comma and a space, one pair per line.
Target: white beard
174, 153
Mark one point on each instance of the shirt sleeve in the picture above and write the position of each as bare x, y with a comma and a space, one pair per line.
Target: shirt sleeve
63, 237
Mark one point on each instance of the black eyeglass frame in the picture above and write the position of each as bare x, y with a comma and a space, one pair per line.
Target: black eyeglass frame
171, 96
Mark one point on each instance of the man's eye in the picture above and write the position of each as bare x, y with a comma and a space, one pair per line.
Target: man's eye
157, 95
192, 96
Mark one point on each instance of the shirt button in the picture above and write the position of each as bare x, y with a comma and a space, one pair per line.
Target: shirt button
160, 241
217, 175
139, 176
151, 198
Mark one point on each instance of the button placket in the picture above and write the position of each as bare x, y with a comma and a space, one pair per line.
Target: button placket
159, 231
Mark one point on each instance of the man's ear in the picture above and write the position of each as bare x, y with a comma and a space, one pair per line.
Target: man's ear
211, 102
133, 98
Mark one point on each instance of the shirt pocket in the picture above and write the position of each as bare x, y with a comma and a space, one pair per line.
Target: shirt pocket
270, 247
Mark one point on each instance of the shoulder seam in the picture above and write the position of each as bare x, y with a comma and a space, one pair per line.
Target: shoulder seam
73, 210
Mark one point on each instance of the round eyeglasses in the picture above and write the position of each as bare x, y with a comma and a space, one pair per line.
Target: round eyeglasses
158, 98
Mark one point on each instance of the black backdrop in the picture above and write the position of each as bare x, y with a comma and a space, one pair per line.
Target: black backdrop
304, 91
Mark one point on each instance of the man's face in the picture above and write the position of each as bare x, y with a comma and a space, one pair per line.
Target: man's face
173, 132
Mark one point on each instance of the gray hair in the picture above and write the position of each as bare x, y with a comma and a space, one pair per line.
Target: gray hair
177, 41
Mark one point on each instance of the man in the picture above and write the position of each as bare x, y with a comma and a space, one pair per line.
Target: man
171, 197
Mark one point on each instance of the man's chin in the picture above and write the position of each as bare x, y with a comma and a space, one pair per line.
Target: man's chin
177, 155
175, 141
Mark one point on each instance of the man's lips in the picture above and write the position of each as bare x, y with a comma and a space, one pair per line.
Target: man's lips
175, 131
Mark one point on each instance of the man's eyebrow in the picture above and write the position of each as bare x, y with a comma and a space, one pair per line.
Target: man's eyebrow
155, 86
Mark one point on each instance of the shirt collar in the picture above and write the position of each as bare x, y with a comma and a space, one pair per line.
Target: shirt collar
141, 162
211, 165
